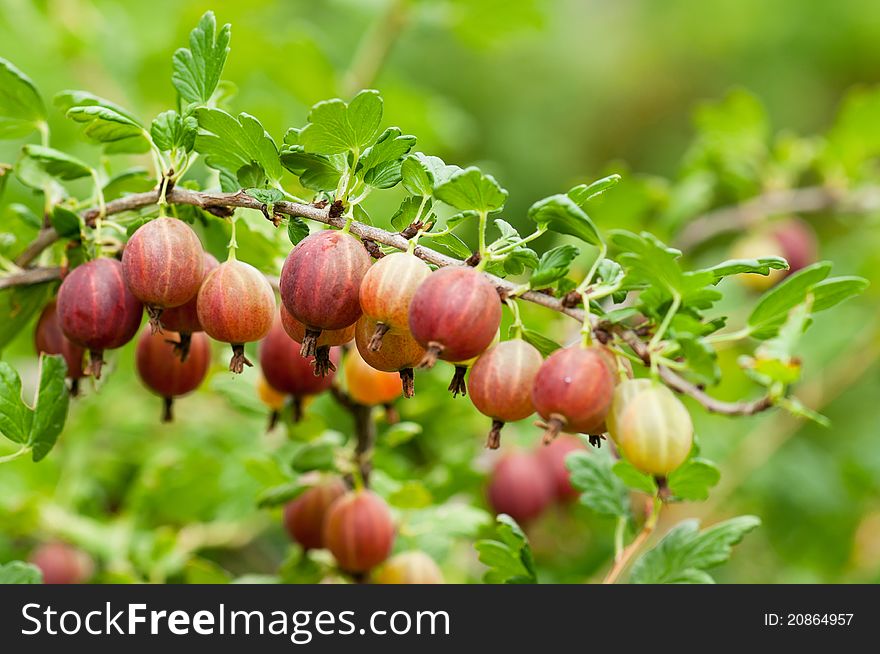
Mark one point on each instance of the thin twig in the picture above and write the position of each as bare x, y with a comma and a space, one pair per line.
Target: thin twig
626, 556
30, 276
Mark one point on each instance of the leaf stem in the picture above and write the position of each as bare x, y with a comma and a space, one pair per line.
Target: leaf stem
233, 242
526, 239
11, 457
517, 325
623, 560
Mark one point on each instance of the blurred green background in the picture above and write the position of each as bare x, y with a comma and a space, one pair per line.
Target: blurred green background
543, 94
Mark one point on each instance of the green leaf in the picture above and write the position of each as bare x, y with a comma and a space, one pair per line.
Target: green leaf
421, 173
411, 495
106, 125
583, 193
693, 480
38, 165
18, 305
509, 559
65, 222
774, 306
634, 478
831, 292
408, 211
67, 100
4, 177
297, 229
197, 69
315, 171
281, 494
19, 572
540, 342
21, 107
560, 214
400, 433
335, 127
760, 266
233, 143
452, 244
50, 408
553, 265
458, 218
268, 196
601, 490
685, 552
316, 455
471, 189
799, 410
381, 162
15, 415
171, 131
649, 262
702, 360
133, 180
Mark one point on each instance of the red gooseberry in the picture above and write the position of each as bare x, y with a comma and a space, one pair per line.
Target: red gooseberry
328, 338
553, 457
97, 311
520, 486
359, 531
62, 564
369, 386
304, 516
236, 305
49, 339
185, 319
401, 354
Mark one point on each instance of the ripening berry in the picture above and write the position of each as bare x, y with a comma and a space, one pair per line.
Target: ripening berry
623, 393
328, 339
97, 311
501, 384
49, 339
454, 314
413, 567
573, 390
185, 319
792, 239
401, 354
272, 398
553, 457
458, 384
369, 386
162, 371
62, 564
304, 516
287, 371
359, 531
387, 290
520, 486
236, 305
320, 282
655, 431
164, 264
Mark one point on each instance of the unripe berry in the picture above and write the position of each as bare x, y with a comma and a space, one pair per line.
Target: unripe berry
287, 371
62, 564
49, 339
573, 390
501, 384
387, 291
304, 516
359, 531
320, 282
164, 265
401, 353
97, 311
414, 567
623, 393
655, 431
236, 305
369, 386
328, 338
454, 314
520, 487
164, 373
553, 457
185, 319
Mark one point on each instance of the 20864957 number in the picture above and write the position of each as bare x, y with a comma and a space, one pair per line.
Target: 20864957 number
810, 619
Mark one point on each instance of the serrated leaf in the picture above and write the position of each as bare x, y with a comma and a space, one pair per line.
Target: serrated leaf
381, 162
105, 125
452, 244
19, 572
685, 552
553, 265
560, 214
544, 345
458, 218
774, 306
171, 131
634, 478
38, 165
297, 229
267, 196
233, 143
702, 360
650, 262
134, 180
15, 415
601, 490
693, 480
335, 127
21, 107
471, 189
583, 193
407, 212
315, 171
517, 261
66, 100
197, 69
509, 559
421, 173
65, 222
50, 407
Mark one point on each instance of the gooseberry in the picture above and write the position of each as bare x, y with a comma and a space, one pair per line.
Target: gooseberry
49, 339
401, 352
359, 531
655, 431
520, 486
413, 567
304, 516
185, 319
